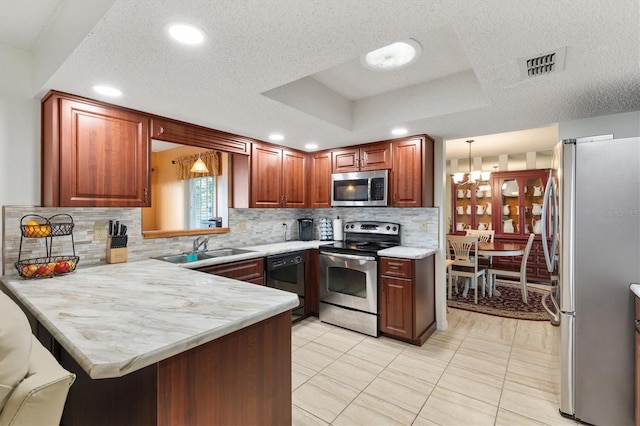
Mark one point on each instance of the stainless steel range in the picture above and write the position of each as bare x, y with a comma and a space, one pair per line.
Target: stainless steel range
349, 275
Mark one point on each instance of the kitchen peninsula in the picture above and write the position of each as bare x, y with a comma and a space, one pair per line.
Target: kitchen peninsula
153, 343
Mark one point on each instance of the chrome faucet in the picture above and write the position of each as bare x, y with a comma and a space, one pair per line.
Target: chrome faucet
200, 242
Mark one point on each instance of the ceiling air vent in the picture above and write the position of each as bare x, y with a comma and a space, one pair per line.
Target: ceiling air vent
544, 63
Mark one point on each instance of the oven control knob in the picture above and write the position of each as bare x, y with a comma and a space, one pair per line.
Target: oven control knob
394, 228
297, 259
388, 227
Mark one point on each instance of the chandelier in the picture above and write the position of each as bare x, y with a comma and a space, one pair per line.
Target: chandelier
474, 177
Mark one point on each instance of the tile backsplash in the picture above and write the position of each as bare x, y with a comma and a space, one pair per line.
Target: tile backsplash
247, 227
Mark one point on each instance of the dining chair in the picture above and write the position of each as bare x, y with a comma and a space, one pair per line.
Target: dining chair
513, 271
486, 237
465, 263
483, 236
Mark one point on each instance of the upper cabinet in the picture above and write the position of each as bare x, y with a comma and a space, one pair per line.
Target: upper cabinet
320, 181
277, 177
93, 154
375, 156
164, 129
412, 173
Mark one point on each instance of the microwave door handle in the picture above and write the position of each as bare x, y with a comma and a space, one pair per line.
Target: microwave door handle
348, 256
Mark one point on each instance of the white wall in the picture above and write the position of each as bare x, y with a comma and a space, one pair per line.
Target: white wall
19, 130
625, 125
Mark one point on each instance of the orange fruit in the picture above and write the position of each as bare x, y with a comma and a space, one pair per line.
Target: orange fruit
31, 228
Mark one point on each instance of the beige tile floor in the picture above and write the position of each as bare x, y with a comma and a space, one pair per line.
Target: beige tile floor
481, 370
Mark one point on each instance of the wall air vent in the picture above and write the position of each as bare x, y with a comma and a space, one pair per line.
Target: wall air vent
544, 63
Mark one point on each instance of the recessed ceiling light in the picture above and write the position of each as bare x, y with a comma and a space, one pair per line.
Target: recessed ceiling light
399, 131
311, 146
185, 33
393, 56
276, 137
106, 90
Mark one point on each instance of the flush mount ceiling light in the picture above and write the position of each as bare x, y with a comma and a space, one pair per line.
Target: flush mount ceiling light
399, 131
106, 90
311, 146
185, 33
276, 137
393, 56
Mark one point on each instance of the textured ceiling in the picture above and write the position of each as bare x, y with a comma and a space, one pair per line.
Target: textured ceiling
292, 66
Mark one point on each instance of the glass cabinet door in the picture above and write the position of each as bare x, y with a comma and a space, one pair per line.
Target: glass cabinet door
533, 198
482, 211
463, 209
510, 206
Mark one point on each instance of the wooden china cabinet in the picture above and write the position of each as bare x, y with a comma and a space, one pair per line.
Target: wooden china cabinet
512, 207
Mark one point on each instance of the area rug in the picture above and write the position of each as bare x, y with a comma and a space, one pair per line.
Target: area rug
509, 304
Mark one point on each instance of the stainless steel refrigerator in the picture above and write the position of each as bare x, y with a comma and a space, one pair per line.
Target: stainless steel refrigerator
599, 256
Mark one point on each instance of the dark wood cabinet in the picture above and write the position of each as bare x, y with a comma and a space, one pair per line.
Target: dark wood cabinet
93, 154
412, 173
312, 282
167, 130
320, 182
407, 298
251, 270
375, 156
277, 177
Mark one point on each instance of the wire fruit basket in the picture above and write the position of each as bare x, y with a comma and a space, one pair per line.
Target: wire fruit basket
36, 226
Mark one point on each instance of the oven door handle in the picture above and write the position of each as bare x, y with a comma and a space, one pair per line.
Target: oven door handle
348, 256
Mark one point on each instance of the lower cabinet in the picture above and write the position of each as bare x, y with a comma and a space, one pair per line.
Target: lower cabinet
407, 298
312, 282
251, 270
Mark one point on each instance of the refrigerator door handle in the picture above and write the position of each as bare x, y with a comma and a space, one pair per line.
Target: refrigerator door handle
550, 197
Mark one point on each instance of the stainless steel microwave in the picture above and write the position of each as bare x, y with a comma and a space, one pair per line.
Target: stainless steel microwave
360, 188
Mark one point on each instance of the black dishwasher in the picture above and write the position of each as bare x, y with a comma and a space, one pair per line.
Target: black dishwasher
286, 272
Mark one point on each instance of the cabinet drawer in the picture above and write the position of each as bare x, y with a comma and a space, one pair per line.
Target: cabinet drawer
396, 267
246, 270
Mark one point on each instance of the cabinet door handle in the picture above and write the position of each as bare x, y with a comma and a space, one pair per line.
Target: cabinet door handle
146, 194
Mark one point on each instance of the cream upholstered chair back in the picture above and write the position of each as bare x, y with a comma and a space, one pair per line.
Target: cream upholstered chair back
33, 386
483, 236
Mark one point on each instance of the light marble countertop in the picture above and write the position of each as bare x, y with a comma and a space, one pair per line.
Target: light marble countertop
407, 252
289, 246
258, 251
635, 288
118, 318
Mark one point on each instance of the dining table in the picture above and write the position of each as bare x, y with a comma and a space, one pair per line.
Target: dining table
499, 248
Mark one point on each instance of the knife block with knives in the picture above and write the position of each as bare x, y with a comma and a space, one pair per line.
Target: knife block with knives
117, 243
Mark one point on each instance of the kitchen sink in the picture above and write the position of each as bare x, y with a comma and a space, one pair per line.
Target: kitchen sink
226, 252
196, 256
184, 258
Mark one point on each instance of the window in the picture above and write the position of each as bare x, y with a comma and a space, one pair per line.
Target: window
200, 205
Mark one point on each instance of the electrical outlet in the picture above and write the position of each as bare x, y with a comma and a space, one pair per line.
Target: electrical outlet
100, 232
242, 225
423, 225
